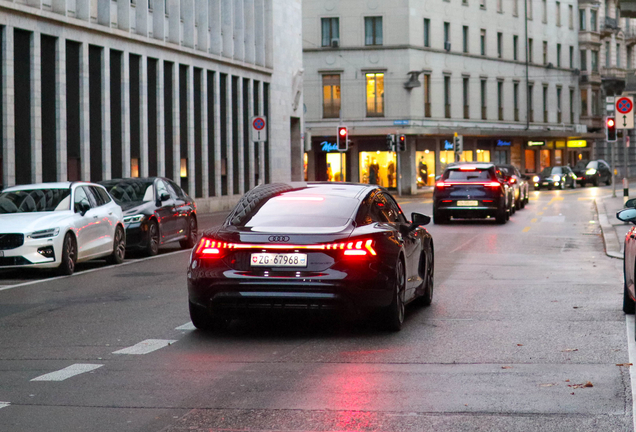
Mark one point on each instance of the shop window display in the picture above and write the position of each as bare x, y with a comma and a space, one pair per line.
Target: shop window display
448, 156
378, 168
335, 165
425, 168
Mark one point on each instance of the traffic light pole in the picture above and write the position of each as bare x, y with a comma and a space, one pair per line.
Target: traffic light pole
613, 168
399, 175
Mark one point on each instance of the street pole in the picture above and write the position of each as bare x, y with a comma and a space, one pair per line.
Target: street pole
625, 182
399, 175
613, 150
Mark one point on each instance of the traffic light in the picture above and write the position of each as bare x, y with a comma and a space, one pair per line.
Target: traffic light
390, 142
342, 138
610, 129
459, 143
401, 143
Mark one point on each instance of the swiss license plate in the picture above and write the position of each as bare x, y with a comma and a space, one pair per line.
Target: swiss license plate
544, 183
467, 203
279, 260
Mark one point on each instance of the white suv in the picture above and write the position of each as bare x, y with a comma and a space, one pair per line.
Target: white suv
56, 225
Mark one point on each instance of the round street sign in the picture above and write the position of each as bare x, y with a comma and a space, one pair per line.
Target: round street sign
624, 105
258, 123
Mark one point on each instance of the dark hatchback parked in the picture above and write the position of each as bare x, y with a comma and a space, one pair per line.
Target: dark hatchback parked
311, 247
156, 211
472, 190
595, 172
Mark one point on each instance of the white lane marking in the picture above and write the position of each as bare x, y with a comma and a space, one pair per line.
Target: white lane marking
188, 326
8, 287
631, 350
68, 372
4, 404
145, 347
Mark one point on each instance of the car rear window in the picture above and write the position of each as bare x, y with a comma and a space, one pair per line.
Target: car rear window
467, 175
295, 211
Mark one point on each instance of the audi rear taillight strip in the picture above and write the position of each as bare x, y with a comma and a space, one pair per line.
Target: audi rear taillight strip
213, 247
489, 184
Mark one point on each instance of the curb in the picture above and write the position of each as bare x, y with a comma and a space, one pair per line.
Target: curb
610, 238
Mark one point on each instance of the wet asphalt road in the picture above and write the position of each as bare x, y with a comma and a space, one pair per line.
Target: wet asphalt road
523, 315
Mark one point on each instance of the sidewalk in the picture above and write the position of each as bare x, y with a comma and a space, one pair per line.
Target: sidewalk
613, 230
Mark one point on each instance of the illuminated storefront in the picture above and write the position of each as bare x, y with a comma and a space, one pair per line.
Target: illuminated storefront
378, 167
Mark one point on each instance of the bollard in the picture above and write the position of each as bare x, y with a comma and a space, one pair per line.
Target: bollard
625, 190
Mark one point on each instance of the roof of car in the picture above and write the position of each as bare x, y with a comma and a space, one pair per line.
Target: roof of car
477, 165
52, 185
333, 188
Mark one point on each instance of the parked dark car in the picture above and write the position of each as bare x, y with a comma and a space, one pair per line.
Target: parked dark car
156, 211
595, 172
552, 177
472, 190
311, 247
629, 258
519, 184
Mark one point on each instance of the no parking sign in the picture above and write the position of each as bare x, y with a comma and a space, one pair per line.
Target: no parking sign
625, 112
259, 128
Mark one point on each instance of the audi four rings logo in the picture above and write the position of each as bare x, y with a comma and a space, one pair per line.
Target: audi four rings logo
278, 239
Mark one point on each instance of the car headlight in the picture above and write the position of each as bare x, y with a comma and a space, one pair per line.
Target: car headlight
591, 171
51, 232
535, 179
556, 177
134, 219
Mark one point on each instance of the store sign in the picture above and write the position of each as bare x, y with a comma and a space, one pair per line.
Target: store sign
328, 147
501, 143
448, 145
577, 143
400, 122
536, 143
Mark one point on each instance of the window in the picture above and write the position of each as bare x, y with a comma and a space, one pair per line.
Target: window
594, 61
483, 41
466, 96
582, 20
571, 105
447, 96
373, 30
558, 14
482, 4
559, 117
515, 99
545, 52
375, 95
544, 10
427, 32
529, 50
427, 95
571, 57
447, 36
465, 39
500, 6
583, 60
618, 55
330, 32
500, 100
515, 47
530, 102
584, 102
331, 96
484, 99
558, 55
515, 7
629, 58
596, 103
499, 44
570, 16
607, 54
593, 20
529, 9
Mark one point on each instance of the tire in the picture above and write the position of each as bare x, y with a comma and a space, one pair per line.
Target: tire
429, 280
152, 248
573, 186
438, 219
502, 216
193, 234
583, 184
204, 320
595, 181
119, 247
523, 201
69, 256
629, 305
562, 185
394, 313
608, 182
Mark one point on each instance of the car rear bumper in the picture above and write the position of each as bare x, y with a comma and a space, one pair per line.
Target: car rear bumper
481, 210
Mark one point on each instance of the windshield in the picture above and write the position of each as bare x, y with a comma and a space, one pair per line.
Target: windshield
592, 164
131, 190
35, 200
551, 170
467, 175
286, 212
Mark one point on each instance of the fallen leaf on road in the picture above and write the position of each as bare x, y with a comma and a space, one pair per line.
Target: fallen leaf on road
625, 364
519, 344
570, 349
548, 385
506, 367
576, 386
567, 380
572, 393
575, 307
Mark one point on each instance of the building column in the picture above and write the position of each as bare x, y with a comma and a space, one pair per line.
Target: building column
217, 133
259, 32
141, 17
261, 145
125, 113
203, 17
227, 28
143, 115
174, 21
84, 114
161, 126
36, 107
103, 12
176, 126
8, 108
190, 120
216, 38
239, 31
187, 15
250, 113
106, 136
205, 192
240, 139
158, 19
230, 137
250, 43
60, 109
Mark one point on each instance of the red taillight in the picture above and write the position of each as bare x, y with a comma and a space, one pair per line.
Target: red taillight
354, 248
210, 248
513, 181
440, 184
493, 184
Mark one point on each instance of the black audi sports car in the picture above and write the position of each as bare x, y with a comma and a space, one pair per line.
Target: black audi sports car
555, 177
472, 190
156, 211
311, 246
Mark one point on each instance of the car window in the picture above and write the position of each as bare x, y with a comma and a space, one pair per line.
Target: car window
171, 191
103, 194
91, 197
96, 196
476, 174
180, 192
365, 216
35, 200
394, 213
161, 188
592, 164
80, 197
378, 213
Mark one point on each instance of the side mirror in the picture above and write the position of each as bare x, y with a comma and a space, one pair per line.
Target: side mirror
627, 215
164, 197
631, 203
419, 219
82, 207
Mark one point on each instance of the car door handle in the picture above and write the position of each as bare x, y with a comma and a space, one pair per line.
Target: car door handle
95, 217
110, 213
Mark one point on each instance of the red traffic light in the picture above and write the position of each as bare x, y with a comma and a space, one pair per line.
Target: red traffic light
342, 138
610, 122
402, 138
342, 131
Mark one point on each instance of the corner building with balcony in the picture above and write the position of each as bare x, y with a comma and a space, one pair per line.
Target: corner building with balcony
429, 69
101, 89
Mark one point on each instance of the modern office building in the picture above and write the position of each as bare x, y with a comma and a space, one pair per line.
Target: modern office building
430, 69
100, 89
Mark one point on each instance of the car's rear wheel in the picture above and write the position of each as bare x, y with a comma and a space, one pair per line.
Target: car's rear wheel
394, 314
119, 247
573, 185
583, 184
152, 248
427, 297
629, 306
193, 234
69, 256
595, 181
205, 320
608, 181
502, 216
